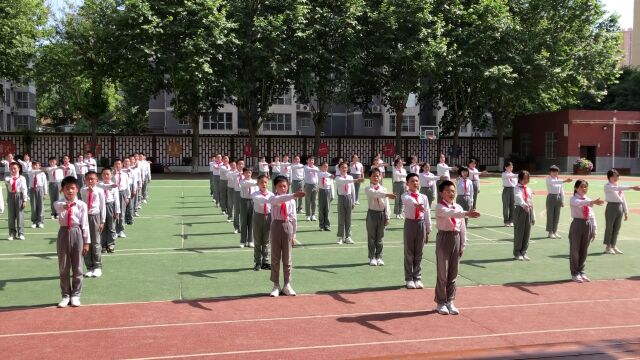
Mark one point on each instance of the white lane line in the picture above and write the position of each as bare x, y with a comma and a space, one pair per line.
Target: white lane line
305, 317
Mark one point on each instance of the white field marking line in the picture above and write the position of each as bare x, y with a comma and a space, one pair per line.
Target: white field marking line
188, 251
305, 317
182, 234
480, 236
391, 342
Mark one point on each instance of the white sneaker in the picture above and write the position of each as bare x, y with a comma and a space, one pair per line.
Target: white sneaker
349, 241
419, 284
557, 236
228, 220
411, 285
144, 201
552, 235
10, 238
401, 216
610, 251
224, 213
357, 202
122, 234
339, 242
136, 214
577, 278
397, 216
287, 290
241, 245
617, 251
75, 301
296, 242
585, 278
275, 292
300, 211
380, 262
89, 273
442, 309
373, 262
526, 257
308, 218
313, 218
97, 272
21, 237
235, 231
251, 244
64, 302
520, 258
52, 217
41, 225
33, 226
453, 310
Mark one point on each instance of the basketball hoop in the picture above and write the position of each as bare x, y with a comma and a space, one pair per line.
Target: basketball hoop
431, 137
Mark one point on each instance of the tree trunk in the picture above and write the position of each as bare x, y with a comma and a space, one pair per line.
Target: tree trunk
399, 119
319, 119
94, 135
454, 147
195, 142
500, 125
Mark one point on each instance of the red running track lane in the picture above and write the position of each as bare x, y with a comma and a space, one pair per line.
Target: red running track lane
337, 325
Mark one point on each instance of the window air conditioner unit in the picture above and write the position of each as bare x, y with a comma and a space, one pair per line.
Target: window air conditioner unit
302, 107
188, 131
376, 109
298, 132
322, 133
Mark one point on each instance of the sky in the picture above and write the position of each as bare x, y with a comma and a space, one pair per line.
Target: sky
624, 8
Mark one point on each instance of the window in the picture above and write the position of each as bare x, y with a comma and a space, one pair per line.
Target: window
630, 144
305, 122
22, 100
277, 122
21, 122
368, 123
220, 121
550, 145
183, 122
284, 99
525, 144
408, 123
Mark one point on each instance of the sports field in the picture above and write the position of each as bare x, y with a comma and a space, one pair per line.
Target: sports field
182, 248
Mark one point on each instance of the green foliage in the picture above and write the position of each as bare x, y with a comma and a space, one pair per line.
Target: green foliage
623, 95
22, 25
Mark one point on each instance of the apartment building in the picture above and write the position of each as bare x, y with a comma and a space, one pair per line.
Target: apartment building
17, 106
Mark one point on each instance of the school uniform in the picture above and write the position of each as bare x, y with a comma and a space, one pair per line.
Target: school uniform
237, 200
146, 179
26, 167
214, 175
377, 214
508, 184
261, 226
285, 170
17, 194
581, 232
138, 176
121, 179
232, 178
383, 171
356, 170
428, 186
414, 168
474, 175
310, 189
297, 182
442, 169
81, 169
247, 187
224, 170
275, 170
282, 233
464, 189
417, 225
37, 192
72, 235
325, 197
69, 170
614, 212
450, 241
112, 208
55, 177
524, 217
399, 177
555, 198
6, 163
346, 199
130, 209
96, 214
263, 168
92, 165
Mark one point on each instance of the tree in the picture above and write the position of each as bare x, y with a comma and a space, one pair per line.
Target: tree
398, 45
262, 57
325, 49
23, 25
623, 95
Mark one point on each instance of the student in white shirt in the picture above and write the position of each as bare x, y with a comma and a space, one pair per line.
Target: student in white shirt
285, 167
615, 211
224, 169
96, 215
325, 196
275, 167
399, 177
508, 184
582, 230
346, 202
417, 226
311, 188
232, 179
428, 183
90, 161
54, 173
414, 167
17, 195
81, 169
356, 170
122, 180
261, 224
297, 180
442, 169
451, 242
555, 200
37, 193
112, 210
68, 169
6, 162
247, 187
474, 175
524, 216
378, 214
263, 166
464, 190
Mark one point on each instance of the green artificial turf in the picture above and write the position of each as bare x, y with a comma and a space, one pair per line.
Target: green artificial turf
181, 247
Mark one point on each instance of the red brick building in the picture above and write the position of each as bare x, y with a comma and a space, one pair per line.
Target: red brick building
605, 137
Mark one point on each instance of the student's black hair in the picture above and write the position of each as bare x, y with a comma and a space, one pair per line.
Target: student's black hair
89, 152
611, 173
263, 176
245, 169
241, 159
53, 158
374, 170
396, 161
463, 169
116, 160
311, 157
90, 172
425, 164
278, 179
579, 183
68, 181
106, 168
324, 163
522, 174
444, 184
35, 162
507, 164
412, 175
472, 161
345, 163
554, 168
